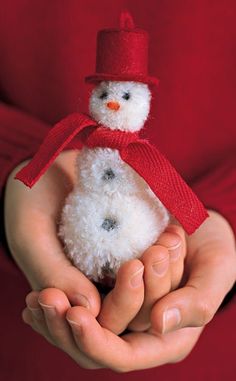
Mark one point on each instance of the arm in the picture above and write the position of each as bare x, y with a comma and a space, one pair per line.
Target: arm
217, 188
20, 136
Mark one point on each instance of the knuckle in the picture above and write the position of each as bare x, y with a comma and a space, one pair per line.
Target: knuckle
176, 229
171, 240
205, 312
51, 341
14, 243
180, 356
88, 366
58, 341
124, 368
126, 365
128, 305
203, 305
138, 325
160, 249
157, 254
147, 254
176, 280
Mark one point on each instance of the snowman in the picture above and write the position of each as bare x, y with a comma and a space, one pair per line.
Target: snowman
112, 215
126, 190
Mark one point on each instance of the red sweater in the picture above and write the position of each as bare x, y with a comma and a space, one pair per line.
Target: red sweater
48, 47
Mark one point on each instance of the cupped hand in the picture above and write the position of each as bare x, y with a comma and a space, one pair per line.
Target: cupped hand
161, 271
176, 320
139, 284
31, 218
210, 273
77, 332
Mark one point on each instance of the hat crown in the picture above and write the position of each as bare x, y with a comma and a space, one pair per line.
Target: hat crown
123, 50
122, 53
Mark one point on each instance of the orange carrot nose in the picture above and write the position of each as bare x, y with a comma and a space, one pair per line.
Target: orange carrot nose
113, 106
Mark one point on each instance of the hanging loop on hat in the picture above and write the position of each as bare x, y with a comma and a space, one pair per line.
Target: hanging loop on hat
126, 20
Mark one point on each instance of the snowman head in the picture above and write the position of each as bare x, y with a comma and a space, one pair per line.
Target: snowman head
120, 105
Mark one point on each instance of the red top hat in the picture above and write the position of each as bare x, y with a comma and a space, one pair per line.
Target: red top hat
122, 54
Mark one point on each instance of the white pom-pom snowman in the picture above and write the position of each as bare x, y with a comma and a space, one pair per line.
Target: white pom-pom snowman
112, 215
116, 209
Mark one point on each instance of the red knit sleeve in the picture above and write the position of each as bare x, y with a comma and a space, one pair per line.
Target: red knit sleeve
20, 136
217, 189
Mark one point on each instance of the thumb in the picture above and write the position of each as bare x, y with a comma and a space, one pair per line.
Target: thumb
45, 265
78, 288
210, 273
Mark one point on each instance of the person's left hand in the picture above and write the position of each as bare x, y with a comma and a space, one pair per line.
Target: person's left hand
93, 347
163, 265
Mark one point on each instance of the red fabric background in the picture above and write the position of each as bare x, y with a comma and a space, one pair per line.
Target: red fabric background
25, 356
46, 49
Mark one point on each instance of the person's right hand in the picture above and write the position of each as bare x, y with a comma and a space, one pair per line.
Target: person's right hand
31, 218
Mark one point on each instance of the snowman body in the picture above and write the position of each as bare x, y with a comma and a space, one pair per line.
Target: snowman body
111, 215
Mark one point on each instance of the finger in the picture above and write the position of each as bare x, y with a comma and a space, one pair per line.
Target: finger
66, 277
172, 237
78, 288
27, 316
33, 304
125, 300
157, 281
131, 352
186, 307
34, 316
35, 309
55, 305
174, 240
33, 235
163, 271
59, 272
162, 349
211, 267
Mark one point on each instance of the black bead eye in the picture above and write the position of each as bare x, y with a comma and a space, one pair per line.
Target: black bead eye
126, 96
104, 95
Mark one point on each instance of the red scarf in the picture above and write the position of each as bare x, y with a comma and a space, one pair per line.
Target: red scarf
144, 158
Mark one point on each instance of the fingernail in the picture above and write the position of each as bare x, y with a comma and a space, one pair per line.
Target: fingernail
160, 267
137, 278
171, 320
49, 310
81, 300
175, 251
36, 312
74, 325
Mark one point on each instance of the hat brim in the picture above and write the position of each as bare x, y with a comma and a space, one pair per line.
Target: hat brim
99, 77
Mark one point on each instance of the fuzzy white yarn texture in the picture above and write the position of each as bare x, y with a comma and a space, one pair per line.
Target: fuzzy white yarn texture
111, 216
133, 111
